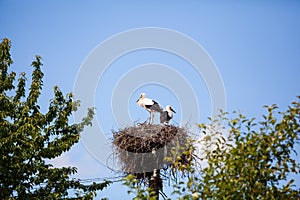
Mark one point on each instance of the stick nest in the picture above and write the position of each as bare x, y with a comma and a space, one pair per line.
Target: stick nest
142, 148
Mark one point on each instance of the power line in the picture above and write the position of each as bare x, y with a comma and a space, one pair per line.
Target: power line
82, 181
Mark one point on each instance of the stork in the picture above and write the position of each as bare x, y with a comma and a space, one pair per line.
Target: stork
150, 105
166, 115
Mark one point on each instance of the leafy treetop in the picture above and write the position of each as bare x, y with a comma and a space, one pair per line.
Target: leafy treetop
29, 137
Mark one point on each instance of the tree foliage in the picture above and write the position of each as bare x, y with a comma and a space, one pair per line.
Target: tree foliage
138, 190
246, 159
28, 137
242, 158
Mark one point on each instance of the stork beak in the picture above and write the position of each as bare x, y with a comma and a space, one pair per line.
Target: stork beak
138, 99
172, 110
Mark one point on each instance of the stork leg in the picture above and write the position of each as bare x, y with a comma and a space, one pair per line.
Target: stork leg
152, 117
149, 118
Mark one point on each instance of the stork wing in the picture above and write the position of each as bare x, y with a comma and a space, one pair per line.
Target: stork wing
163, 117
154, 107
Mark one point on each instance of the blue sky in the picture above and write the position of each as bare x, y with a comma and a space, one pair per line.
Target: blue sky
254, 45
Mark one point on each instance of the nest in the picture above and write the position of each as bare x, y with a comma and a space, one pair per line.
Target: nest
142, 148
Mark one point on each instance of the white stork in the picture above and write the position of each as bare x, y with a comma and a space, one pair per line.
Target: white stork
150, 105
166, 115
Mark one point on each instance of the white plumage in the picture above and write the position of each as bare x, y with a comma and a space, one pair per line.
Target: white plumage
150, 105
166, 115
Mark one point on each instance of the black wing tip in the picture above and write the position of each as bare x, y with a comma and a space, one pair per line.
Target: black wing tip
154, 102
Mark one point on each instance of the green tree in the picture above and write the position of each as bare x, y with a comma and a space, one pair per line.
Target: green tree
246, 159
241, 158
28, 137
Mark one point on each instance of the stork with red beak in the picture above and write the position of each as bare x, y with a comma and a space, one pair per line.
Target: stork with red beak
150, 105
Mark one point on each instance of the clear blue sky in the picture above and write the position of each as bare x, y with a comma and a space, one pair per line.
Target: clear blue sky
255, 46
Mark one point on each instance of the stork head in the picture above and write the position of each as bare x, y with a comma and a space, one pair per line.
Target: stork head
170, 109
142, 96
